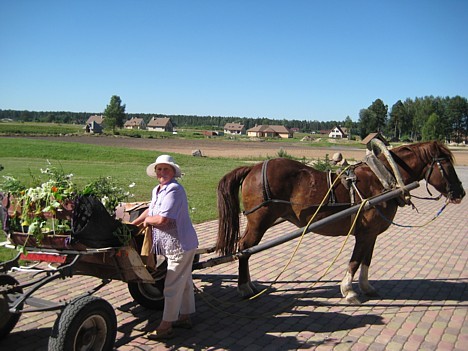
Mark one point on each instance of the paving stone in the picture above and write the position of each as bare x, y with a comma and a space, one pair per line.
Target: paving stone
420, 273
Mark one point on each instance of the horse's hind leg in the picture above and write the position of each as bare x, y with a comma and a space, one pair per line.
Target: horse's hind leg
245, 286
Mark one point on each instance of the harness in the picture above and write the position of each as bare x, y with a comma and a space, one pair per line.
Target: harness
265, 191
436, 161
349, 180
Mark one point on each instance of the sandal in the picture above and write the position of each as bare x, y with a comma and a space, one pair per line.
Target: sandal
182, 323
163, 334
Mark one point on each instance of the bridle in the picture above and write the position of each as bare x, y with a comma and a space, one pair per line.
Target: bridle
443, 173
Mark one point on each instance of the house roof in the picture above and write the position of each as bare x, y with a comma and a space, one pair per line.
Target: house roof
159, 122
134, 121
342, 130
371, 136
233, 126
95, 118
269, 129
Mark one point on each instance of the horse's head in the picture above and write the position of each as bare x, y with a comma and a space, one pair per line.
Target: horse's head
441, 174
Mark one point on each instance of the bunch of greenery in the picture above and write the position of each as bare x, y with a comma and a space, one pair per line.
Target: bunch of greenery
46, 206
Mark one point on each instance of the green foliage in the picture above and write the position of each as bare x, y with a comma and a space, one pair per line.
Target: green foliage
108, 191
45, 206
33, 128
373, 119
397, 117
114, 113
432, 129
282, 153
323, 164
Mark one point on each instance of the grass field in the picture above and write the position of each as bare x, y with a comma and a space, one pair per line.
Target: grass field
23, 158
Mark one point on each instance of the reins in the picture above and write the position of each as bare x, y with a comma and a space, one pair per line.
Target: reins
438, 213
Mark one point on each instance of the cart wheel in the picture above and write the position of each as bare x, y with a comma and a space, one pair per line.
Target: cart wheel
87, 323
8, 319
148, 295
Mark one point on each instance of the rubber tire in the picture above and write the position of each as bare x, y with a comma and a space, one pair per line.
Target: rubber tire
148, 295
87, 323
8, 320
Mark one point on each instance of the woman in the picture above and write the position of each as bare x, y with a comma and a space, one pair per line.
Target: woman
175, 238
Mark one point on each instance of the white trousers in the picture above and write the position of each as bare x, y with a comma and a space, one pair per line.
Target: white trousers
179, 297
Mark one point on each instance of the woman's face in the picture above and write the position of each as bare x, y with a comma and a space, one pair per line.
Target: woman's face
164, 173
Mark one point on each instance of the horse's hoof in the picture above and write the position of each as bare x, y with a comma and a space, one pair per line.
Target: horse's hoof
247, 290
368, 290
353, 299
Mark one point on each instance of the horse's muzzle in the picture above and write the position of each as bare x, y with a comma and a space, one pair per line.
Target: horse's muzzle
455, 197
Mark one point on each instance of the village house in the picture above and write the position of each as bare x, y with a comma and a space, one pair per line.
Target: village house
267, 131
135, 123
95, 118
234, 128
338, 133
160, 125
94, 124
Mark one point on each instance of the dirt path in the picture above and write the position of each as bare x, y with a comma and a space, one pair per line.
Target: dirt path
227, 148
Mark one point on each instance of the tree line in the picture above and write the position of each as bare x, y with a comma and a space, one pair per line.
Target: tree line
426, 118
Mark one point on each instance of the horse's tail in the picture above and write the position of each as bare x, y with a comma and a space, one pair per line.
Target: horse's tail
228, 210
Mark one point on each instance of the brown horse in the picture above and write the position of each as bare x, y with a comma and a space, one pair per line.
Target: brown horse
290, 190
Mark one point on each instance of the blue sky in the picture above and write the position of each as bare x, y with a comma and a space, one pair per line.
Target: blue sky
305, 60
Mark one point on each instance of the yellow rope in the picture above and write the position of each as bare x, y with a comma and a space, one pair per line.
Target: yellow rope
303, 234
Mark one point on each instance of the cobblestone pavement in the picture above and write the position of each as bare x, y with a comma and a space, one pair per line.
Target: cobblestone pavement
421, 275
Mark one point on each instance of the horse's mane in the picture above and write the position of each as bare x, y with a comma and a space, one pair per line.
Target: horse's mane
428, 150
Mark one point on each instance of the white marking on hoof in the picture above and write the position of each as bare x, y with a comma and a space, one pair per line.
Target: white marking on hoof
346, 285
352, 299
364, 285
346, 288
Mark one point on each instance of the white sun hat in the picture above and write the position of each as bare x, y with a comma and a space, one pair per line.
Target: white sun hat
166, 159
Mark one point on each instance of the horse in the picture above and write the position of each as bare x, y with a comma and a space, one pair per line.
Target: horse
290, 190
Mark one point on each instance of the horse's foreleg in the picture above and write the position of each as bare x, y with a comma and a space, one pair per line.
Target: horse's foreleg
346, 286
363, 248
364, 284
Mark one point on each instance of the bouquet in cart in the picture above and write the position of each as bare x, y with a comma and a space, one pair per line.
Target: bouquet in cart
54, 206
